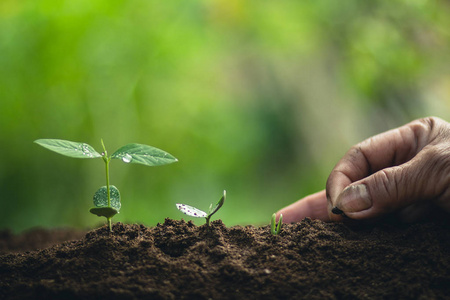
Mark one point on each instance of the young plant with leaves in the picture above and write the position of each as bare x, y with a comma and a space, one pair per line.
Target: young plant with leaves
107, 198
274, 227
197, 213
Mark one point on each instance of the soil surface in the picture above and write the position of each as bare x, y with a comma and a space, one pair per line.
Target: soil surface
179, 260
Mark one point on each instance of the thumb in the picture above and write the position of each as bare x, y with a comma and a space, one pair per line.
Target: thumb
391, 189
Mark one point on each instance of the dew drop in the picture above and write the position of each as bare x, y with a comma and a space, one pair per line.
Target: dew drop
127, 158
85, 150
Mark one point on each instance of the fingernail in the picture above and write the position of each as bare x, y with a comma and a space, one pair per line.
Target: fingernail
354, 198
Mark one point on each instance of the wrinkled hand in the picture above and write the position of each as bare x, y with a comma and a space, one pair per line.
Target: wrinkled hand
402, 170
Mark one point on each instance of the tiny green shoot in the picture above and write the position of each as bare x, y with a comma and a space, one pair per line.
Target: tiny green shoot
197, 213
107, 198
274, 227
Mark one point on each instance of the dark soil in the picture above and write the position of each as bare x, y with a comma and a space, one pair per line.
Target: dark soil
38, 238
178, 260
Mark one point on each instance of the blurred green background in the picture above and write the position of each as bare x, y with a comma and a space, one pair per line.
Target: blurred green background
260, 98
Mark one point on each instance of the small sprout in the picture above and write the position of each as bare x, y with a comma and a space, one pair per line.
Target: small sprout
197, 213
274, 227
107, 198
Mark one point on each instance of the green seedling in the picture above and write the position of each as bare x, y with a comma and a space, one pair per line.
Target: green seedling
107, 198
274, 227
197, 213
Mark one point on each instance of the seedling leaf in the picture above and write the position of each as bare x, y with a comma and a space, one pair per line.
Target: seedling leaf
68, 148
191, 211
143, 154
107, 212
101, 197
195, 212
274, 227
218, 204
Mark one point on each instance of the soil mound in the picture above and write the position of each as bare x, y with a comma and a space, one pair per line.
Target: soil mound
179, 260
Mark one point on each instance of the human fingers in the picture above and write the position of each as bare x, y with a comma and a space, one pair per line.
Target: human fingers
313, 206
365, 185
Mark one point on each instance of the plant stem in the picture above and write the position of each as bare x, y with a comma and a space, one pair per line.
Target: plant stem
107, 182
107, 159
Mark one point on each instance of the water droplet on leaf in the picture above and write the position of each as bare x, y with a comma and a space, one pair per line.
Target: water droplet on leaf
127, 158
85, 150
